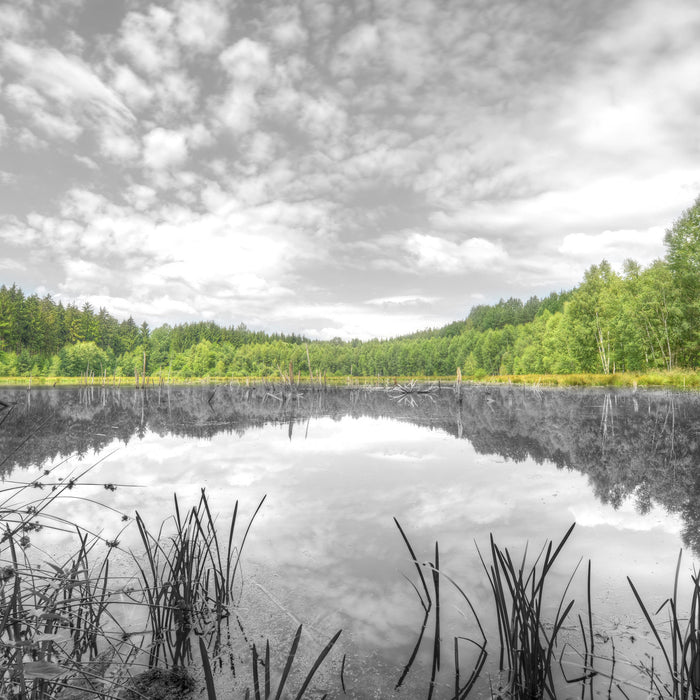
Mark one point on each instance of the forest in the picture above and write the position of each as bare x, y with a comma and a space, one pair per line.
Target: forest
638, 319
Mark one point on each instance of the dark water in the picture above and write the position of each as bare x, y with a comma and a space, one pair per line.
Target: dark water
337, 466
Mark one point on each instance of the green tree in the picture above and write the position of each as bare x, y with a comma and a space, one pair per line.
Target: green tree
683, 256
75, 360
591, 316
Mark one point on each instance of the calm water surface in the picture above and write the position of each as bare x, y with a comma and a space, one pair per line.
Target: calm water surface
336, 467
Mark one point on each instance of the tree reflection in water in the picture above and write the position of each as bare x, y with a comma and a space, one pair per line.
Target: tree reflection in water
639, 444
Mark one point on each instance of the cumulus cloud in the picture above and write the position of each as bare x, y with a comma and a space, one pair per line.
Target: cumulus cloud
615, 246
247, 62
164, 148
321, 118
52, 126
404, 300
118, 145
239, 110
356, 49
248, 65
202, 24
240, 256
346, 320
368, 156
135, 91
435, 254
36, 110
24, 98
14, 21
289, 32
148, 40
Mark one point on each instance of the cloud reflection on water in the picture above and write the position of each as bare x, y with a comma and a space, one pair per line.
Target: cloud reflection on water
325, 546
325, 542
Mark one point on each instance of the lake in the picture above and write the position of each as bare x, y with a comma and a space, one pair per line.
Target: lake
336, 466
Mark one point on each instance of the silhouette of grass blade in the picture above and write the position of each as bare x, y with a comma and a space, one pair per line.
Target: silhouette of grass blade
288, 665
316, 664
417, 565
206, 667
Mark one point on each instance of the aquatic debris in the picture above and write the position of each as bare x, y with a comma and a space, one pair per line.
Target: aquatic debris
406, 393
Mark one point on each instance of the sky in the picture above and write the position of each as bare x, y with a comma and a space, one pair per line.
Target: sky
351, 169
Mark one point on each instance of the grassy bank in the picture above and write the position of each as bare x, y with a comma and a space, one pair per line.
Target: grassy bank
677, 379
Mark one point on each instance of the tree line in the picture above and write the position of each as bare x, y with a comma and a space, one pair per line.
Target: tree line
638, 319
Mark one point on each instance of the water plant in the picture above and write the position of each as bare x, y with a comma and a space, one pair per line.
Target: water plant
462, 688
527, 648
57, 633
188, 582
60, 636
681, 648
529, 660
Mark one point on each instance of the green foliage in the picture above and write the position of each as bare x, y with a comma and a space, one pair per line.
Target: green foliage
642, 320
75, 360
683, 257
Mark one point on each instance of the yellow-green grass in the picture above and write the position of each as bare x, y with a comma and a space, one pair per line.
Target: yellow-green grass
155, 380
680, 379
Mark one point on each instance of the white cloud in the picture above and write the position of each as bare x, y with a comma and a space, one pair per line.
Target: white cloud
148, 40
87, 162
24, 98
431, 253
262, 148
356, 49
12, 265
615, 246
202, 24
247, 62
36, 110
177, 94
240, 257
348, 321
289, 33
118, 145
53, 126
639, 105
404, 300
248, 65
407, 49
67, 80
239, 110
13, 21
29, 141
199, 135
134, 91
322, 117
141, 197
164, 148
449, 141
612, 202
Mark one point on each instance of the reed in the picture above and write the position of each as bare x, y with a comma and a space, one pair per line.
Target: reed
527, 649
187, 582
57, 633
528, 661
431, 603
679, 643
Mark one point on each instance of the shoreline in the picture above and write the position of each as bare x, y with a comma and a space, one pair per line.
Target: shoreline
676, 379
